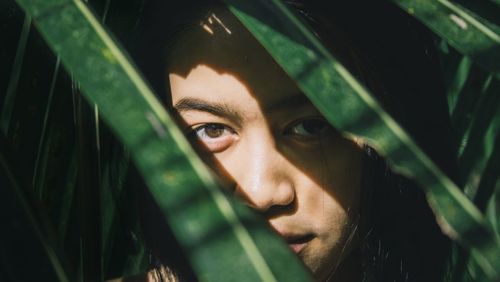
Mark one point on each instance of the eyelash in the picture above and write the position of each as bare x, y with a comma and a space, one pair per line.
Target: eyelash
294, 128
224, 135
210, 126
214, 144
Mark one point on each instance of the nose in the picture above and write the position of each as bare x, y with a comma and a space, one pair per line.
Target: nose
266, 178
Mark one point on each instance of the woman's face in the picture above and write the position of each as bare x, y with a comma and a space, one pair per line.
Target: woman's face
262, 135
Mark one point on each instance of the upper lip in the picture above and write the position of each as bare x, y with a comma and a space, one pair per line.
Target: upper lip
297, 239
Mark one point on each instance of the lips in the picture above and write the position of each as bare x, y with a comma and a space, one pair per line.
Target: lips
297, 242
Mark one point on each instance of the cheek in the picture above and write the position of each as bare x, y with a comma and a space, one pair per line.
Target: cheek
331, 195
331, 206
328, 215
335, 170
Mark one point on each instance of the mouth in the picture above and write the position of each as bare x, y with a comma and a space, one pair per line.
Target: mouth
297, 242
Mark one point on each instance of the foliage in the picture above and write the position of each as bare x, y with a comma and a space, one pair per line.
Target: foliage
72, 186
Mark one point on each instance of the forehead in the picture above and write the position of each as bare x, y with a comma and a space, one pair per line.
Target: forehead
220, 42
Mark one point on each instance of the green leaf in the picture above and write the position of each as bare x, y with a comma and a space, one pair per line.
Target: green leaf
489, 178
10, 95
474, 151
467, 33
22, 214
458, 83
494, 210
87, 193
43, 149
344, 102
474, 88
218, 234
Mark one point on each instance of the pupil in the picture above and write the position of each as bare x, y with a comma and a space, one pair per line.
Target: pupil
315, 126
214, 130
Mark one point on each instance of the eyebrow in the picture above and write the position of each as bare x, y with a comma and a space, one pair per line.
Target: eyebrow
225, 111
214, 108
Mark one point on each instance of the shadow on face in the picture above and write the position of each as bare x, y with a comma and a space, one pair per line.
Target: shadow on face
261, 135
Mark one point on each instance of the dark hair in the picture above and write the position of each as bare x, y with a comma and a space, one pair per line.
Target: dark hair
396, 59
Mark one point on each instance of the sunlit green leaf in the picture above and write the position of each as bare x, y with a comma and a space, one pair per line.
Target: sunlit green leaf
343, 101
469, 35
204, 220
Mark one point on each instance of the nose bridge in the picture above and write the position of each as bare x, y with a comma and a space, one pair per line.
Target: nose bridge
267, 179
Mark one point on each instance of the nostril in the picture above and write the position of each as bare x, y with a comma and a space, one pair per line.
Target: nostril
280, 210
266, 184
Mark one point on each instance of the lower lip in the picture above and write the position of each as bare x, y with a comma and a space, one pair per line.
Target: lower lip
300, 244
297, 247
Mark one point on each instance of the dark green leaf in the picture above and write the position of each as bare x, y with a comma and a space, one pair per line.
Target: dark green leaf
23, 215
10, 95
474, 88
489, 178
488, 108
468, 34
344, 102
43, 150
459, 80
204, 220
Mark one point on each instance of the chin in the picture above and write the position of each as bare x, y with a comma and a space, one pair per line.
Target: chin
326, 264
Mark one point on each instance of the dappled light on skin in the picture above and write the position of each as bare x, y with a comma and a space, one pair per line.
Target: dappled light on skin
259, 133
287, 164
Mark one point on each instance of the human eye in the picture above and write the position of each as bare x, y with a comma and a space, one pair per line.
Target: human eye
215, 137
311, 127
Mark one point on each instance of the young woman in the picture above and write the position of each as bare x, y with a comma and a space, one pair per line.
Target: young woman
333, 200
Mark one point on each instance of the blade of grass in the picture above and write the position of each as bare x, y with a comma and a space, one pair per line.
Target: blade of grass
484, 11
205, 221
35, 215
10, 95
488, 108
88, 192
474, 89
102, 204
458, 82
484, 194
495, 209
462, 31
338, 95
67, 198
20, 244
38, 177
489, 178
106, 10
115, 208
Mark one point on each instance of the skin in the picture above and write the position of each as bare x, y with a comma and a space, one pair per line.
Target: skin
263, 137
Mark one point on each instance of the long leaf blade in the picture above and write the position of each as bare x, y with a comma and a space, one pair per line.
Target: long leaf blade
182, 186
27, 212
343, 101
461, 29
14, 78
